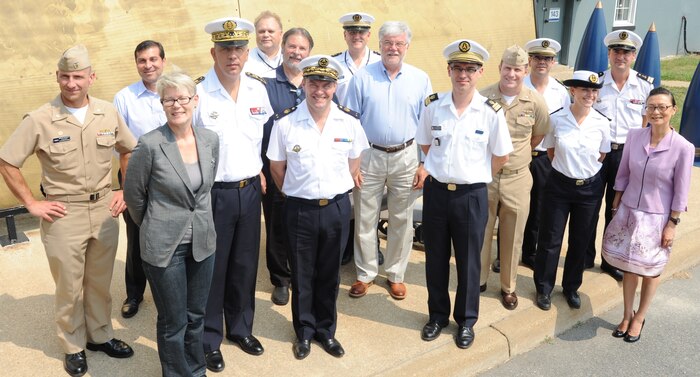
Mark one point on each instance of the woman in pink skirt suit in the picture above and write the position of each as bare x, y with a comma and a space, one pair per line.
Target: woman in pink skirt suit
651, 191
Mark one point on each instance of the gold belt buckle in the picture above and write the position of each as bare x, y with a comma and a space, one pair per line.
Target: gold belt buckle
580, 182
243, 183
451, 186
323, 202
534, 153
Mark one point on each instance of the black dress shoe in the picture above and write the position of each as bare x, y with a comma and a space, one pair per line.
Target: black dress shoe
215, 361
249, 344
431, 331
612, 271
482, 288
496, 266
464, 337
617, 333
380, 258
544, 302
573, 299
332, 347
301, 349
113, 348
130, 307
631, 338
75, 364
280, 296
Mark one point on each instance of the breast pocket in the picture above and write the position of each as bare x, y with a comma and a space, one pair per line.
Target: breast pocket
523, 125
105, 150
64, 155
478, 143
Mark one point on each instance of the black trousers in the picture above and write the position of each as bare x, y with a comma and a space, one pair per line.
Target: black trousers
232, 293
317, 237
454, 218
276, 249
134, 277
608, 174
540, 167
578, 203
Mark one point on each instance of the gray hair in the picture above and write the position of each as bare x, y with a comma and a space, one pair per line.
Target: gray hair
395, 28
177, 80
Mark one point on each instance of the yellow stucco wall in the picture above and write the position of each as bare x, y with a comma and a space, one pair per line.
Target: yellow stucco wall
34, 33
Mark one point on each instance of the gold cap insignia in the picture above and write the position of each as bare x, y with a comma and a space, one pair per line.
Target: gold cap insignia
464, 46
624, 35
545, 43
296, 148
356, 18
323, 62
593, 78
229, 25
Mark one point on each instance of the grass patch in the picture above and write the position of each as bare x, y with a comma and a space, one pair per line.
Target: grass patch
680, 68
679, 95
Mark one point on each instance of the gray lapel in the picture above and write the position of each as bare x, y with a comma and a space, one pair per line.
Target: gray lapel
204, 155
172, 153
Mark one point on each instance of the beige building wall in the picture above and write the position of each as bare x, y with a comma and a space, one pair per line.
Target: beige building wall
34, 33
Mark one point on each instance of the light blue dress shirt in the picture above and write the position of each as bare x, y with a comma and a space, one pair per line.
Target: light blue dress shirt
140, 108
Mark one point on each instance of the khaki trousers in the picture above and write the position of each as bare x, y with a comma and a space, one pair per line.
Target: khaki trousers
81, 248
509, 201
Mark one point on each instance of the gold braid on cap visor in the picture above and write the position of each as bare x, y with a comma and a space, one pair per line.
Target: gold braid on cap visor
227, 36
321, 71
466, 57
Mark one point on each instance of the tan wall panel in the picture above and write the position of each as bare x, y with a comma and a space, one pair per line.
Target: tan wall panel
36, 32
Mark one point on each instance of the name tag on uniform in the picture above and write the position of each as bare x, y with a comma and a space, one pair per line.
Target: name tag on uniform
636, 101
61, 139
257, 111
342, 140
479, 132
105, 132
436, 128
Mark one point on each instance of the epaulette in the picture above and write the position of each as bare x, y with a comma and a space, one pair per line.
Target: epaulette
556, 111
557, 80
646, 78
431, 98
377, 52
604, 116
256, 77
336, 54
349, 111
198, 80
494, 105
284, 113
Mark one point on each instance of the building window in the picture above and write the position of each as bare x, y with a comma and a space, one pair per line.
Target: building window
625, 11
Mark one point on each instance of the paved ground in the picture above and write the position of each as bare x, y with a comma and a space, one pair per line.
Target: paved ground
381, 336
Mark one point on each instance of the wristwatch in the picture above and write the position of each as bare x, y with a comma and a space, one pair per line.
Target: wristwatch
675, 220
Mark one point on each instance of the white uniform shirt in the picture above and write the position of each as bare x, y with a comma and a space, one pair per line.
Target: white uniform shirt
260, 64
317, 162
555, 94
140, 108
461, 147
238, 124
624, 107
577, 148
350, 68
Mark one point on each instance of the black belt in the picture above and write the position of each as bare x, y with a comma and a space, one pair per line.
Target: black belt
392, 148
318, 202
617, 147
456, 186
573, 181
539, 153
235, 185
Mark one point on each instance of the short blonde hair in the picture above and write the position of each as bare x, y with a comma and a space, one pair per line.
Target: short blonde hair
177, 80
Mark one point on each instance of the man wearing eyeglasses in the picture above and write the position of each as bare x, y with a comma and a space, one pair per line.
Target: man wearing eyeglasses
389, 96
542, 57
139, 105
236, 107
285, 91
622, 100
356, 31
509, 193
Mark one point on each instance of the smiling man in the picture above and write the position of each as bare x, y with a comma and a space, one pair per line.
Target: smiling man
139, 105
267, 56
236, 107
356, 32
509, 193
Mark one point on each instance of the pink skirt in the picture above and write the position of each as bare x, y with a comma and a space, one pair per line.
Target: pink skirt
632, 242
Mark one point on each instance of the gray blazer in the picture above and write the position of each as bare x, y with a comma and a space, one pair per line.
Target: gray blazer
159, 199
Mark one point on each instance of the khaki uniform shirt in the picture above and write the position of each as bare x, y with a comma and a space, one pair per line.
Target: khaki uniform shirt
527, 116
75, 158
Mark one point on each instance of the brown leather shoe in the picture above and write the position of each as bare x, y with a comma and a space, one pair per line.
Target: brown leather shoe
359, 289
397, 290
509, 300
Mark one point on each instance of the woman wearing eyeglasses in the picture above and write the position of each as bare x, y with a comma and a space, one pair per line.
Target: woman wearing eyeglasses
651, 190
167, 190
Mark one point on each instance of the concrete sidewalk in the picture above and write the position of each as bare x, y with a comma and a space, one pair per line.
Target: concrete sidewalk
381, 336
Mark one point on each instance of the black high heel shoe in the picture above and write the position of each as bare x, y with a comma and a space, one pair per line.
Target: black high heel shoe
631, 338
617, 333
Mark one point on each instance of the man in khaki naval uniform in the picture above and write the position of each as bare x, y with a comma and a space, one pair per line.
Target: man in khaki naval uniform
509, 193
74, 137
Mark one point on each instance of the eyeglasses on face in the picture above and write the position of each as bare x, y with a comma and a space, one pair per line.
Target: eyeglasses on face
388, 44
543, 58
661, 108
171, 101
467, 70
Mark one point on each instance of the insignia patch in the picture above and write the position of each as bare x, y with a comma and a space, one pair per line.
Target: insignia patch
60, 139
254, 76
198, 79
257, 111
644, 77
296, 148
624, 35
636, 101
213, 115
479, 132
436, 142
435, 128
323, 62
105, 132
494, 105
342, 140
464, 46
545, 43
356, 17
229, 25
593, 78
431, 98
355, 114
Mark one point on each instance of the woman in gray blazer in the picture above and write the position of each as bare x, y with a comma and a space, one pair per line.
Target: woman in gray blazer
167, 190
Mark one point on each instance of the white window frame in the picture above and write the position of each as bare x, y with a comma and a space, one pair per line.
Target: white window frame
629, 21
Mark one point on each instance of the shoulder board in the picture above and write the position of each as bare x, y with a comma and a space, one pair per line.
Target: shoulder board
646, 78
350, 112
431, 98
198, 80
284, 113
557, 80
494, 105
603, 115
376, 52
556, 111
336, 54
256, 77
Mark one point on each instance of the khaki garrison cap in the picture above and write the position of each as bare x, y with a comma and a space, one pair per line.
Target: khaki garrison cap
74, 59
515, 55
